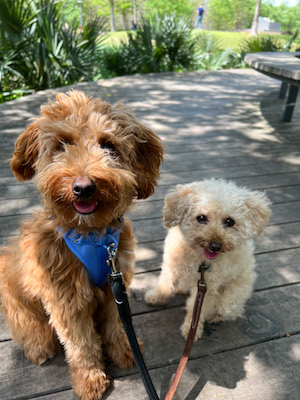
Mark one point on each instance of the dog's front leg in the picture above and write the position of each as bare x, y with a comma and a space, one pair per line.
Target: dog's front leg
115, 340
164, 290
75, 329
207, 309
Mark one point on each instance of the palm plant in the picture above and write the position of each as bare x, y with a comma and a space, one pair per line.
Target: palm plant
266, 43
37, 53
211, 55
165, 44
174, 43
260, 43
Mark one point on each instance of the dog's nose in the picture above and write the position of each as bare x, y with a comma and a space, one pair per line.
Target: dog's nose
83, 187
215, 246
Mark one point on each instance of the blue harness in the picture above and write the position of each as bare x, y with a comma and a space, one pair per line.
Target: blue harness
91, 250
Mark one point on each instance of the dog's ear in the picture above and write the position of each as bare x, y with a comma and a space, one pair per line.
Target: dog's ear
177, 204
25, 154
149, 155
259, 211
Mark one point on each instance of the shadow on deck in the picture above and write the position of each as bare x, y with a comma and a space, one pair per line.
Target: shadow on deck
222, 124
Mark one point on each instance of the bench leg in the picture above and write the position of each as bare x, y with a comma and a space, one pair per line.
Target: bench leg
283, 90
290, 103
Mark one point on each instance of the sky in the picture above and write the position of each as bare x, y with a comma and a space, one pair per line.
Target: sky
290, 3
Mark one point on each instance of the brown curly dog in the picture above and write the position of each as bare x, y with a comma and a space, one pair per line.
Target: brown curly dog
89, 161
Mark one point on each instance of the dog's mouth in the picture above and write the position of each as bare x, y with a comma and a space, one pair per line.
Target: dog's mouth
85, 206
211, 255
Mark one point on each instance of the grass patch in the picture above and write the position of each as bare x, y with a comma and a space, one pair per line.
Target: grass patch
228, 40
114, 38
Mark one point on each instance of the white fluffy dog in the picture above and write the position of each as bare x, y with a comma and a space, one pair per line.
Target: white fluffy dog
211, 220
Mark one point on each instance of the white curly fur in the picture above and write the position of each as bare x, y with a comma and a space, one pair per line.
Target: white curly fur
231, 277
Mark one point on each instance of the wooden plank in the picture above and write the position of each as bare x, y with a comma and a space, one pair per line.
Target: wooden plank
273, 270
269, 315
281, 65
224, 146
261, 372
279, 269
259, 182
266, 371
232, 172
238, 139
18, 190
22, 206
4, 332
20, 379
281, 213
201, 163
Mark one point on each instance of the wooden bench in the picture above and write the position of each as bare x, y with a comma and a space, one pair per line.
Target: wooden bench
282, 66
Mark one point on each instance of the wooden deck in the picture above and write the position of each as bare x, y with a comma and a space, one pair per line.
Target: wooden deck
214, 124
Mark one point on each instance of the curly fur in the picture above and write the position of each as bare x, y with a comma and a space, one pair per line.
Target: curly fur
46, 294
190, 241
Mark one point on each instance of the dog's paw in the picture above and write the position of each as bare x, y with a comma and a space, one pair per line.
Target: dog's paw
90, 384
214, 319
39, 355
185, 329
155, 298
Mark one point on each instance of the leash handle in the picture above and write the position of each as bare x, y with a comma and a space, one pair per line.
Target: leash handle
192, 332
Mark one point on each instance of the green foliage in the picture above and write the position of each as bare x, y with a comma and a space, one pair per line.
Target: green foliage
230, 14
265, 43
37, 53
289, 17
179, 8
261, 43
289, 45
212, 56
164, 45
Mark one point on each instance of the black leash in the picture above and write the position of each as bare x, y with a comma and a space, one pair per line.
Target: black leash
117, 285
115, 279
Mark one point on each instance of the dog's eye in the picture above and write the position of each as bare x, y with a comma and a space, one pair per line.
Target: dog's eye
106, 145
202, 219
61, 145
229, 222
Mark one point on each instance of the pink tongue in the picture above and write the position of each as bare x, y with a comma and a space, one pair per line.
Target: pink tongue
85, 207
210, 255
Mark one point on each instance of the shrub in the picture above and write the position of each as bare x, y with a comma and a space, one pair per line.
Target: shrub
163, 45
266, 43
260, 43
211, 55
37, 51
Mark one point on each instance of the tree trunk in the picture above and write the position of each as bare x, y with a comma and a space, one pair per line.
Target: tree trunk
125, 21
134, 12
112, 16
255, 19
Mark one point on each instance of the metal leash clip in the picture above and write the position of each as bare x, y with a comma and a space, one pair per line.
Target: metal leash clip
111, 258
202, 268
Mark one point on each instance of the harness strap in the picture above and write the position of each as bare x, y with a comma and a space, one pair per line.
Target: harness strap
91, 250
